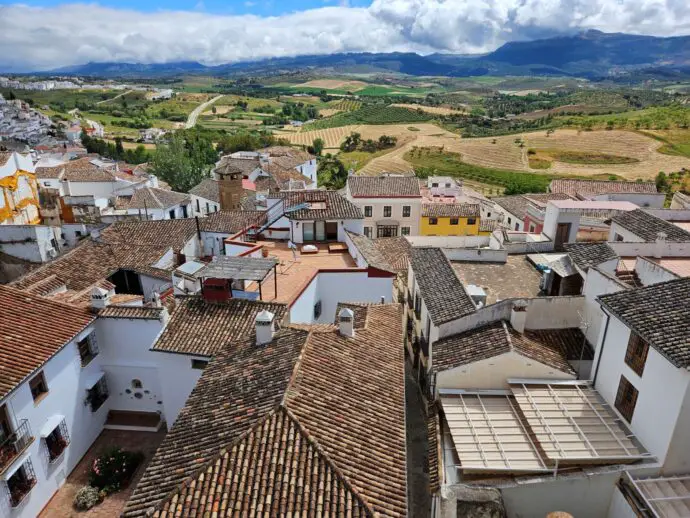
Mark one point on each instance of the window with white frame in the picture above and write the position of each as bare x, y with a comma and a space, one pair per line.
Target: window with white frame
368, 210
387, 211
406, 211
404, 231
367, 231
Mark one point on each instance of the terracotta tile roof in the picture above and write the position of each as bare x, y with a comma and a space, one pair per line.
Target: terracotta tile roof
229, 221
570, 341
151, 198
131, 312
287, 157
202, 328
245, 166
433, 428
646, 226
32, 330
371, 252
334, 205
333, 404
207, 189
384, 187
283, 174
660, 314
443, 293
306, 482
496, 339
585, 188
5, 157
450, 210
49, 173
237, 390
90, 263
586, 255
488, 225
172, 233
517, 204
82, 170
396, 251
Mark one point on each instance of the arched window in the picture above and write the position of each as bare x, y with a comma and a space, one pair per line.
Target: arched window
136, 384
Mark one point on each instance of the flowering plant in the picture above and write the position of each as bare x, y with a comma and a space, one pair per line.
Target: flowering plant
113, 470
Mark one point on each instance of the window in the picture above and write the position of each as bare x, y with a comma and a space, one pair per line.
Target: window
417, 305
368, 211
531, 227
317, 310
434, 184
137, 384
57, 441
618, 237
407, 211
387, 211
488, 214
184, 211
208, 208
626, 398
517, 226
636, 355
172, 214
404, 231
39, 387
509, 221
88, 349
199, 364
433, 221
454, 221
77, 233
21, 482
387, 231
97, 395
198, 209
471, 221
367, 232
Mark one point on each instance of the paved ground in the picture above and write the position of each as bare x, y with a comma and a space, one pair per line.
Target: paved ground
61, 504
418, 497
294, 275
514, 279
191, 120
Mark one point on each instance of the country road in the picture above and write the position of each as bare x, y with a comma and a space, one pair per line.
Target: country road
113, 98
191, 120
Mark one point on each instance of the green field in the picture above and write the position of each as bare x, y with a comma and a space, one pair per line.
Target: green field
371, 115
675, 142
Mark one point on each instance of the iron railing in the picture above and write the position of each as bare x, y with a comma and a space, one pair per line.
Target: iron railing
12, 445
21, 483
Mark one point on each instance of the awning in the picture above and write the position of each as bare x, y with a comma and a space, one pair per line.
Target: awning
51, 424
93, 379
16, 464
387, 223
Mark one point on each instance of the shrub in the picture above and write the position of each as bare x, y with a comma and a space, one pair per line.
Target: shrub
86, 498
114, 469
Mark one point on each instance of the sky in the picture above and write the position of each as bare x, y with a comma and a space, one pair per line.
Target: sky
47, 34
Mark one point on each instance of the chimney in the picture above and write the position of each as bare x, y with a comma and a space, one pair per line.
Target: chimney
95, 234
383, 299
660, 245
100, 298
518, 317
264, 327
346, 322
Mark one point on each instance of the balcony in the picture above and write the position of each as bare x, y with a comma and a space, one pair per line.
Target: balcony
424, 346
410, 300
13, 445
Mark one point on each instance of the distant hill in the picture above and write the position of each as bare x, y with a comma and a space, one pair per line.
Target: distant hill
588, 54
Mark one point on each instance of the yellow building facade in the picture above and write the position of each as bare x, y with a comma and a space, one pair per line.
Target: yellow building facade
449, 219
19, 202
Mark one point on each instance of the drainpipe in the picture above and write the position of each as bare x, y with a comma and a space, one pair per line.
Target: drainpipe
601, 351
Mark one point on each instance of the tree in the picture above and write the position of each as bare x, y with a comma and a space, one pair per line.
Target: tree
331, 173
182, 161
661, 182
119, 148
318, 146
351, 142
213, 110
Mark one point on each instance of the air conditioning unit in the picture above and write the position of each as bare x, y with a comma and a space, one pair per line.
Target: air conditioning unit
545, 281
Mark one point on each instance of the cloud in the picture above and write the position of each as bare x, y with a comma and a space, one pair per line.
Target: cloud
45, 38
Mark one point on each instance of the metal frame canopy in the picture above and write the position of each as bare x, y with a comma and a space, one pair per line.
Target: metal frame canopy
238, 268
488, 434
666, 497
572, 423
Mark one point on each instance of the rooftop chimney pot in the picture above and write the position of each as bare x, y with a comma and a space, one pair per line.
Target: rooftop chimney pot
100, 298
264, 327
346, 322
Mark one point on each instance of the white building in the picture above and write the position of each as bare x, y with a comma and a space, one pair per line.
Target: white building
205, 197
150, 203
642, 194
391, 204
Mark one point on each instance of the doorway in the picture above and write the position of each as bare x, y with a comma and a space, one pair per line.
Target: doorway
308, 232
332, 230
562, 233
320, 230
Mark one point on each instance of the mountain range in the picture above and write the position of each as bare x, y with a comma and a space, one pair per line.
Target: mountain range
589, 54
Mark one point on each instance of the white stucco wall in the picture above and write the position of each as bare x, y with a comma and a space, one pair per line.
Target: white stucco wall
596, 284
333, 287
29, 242
667, 249
353, 225
493, 373
151, 285
66, 381
620, 508
651, 273
177, 379
125, 356
627, 235
678, 457
585, 496
396, 204
206, 206
653, 201
662, 389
